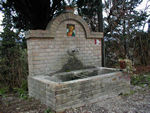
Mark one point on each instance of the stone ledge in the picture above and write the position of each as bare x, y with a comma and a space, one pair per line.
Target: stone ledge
96, 35
44, 34
39, 34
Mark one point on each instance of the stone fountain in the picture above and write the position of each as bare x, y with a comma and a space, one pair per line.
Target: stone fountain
65, 65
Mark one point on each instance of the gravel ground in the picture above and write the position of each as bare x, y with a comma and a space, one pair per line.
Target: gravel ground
137, 102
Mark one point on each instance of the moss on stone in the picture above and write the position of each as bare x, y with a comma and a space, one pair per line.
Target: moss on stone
72, 64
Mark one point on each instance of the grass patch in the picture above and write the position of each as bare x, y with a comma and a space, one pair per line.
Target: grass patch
23, 94
141, 80
23, 90
48, 111
3, 91
127, 94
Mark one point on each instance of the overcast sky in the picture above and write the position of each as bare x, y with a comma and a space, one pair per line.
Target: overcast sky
140, 7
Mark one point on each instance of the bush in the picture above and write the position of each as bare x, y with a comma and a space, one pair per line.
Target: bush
141, 80
13, 57
14, 69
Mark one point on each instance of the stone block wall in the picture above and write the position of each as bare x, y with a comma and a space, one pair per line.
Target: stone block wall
72, 94
48, 49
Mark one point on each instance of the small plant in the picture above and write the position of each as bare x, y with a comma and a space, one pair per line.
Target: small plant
3, 91
22, 92
130, 93
48, 111
141, 80
127, 65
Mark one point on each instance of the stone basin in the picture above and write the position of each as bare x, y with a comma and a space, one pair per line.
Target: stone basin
73, 89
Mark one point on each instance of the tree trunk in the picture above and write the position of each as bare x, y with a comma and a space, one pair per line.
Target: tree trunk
124, 38
100, 29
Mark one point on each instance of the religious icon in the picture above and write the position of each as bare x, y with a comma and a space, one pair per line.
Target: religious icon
71, 30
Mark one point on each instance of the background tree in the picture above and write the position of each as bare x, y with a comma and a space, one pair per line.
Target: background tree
122, 24
13, 63
31, 14
90, 10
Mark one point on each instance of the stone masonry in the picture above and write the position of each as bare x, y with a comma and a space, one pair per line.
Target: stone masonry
72, 94
47, 49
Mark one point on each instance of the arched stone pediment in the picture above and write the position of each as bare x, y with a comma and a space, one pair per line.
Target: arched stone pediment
53, 25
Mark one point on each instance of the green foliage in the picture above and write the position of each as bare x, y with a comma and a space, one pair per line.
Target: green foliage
90, 10
13, 57
3, 91
127, 94
72, 64
48, 111
121, 27
141, 80
23, 94
141, 48
24, 85
32, 14
23, 90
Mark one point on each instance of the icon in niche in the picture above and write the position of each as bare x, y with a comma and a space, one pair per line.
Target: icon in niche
71, 30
